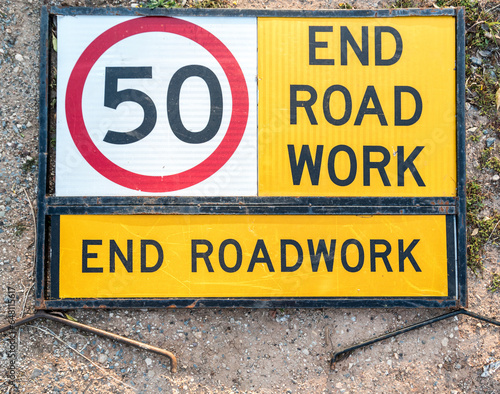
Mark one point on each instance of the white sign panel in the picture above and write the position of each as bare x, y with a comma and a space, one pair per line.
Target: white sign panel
156, 106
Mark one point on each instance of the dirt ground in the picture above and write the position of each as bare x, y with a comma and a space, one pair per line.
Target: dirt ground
221, 350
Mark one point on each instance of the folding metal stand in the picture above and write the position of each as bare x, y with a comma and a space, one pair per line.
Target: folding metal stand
50, 316
346, 352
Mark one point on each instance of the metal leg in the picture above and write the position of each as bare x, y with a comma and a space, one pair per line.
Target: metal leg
96, 331
346, 352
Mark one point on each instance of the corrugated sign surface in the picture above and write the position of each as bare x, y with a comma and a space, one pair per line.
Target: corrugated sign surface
156, 105
357, 107
252, 256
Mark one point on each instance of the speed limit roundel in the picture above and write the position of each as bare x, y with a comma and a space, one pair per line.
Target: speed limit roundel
205, 82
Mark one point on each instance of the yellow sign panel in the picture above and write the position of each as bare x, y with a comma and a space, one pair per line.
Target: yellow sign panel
191, 256
357, 107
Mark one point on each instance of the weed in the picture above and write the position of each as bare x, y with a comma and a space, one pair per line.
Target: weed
403, 4
160, 4
475, 197
488, 160
495, 283
195, 4
212, 4
345, 6
28, 165
480, 230
485, 156
19, 229
494, 164
474, 137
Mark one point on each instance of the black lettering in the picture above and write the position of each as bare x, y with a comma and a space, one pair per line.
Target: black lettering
307, 104
305, 157
173, 109
378, 46
86, 255
331, 165
406, 254
348, 105
159, 250
370, 94
114, 97
195, 255
260, 246
328, 256
361, 255
381, 255
408, 164
379, 165
346, 37
398, 121
300, 255
313, 44
115, 250
222, 258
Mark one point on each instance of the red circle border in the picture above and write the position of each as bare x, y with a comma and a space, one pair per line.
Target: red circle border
148, 183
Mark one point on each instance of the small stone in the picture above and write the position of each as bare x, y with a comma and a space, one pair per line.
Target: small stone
489, 142
476, 61
472, 130
19, 57
36, 373
29, 124
458, 366
102, 358
444, 342
495, 178
148, 362
306, 352
484, 53
490, 369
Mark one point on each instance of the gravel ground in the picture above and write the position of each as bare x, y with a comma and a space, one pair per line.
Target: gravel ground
219, 350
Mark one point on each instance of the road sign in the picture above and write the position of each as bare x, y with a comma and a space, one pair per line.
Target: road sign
254, 158
194, 256
368, 108
156, 105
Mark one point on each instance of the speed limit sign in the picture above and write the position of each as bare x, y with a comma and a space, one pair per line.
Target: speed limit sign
156, 105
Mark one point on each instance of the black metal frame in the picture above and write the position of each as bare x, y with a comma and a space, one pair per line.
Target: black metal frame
51, 207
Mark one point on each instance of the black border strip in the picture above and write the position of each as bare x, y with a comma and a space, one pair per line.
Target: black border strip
381, 13
42, 157
255, 200
248, 210
461, 160
451, 255
379, 302
55, 260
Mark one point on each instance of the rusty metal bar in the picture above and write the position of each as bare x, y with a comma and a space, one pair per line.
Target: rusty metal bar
339, 356
93, 330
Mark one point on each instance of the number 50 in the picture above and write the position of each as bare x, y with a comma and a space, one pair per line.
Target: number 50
114, 97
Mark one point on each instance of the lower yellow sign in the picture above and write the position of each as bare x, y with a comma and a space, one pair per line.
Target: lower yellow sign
196, 256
